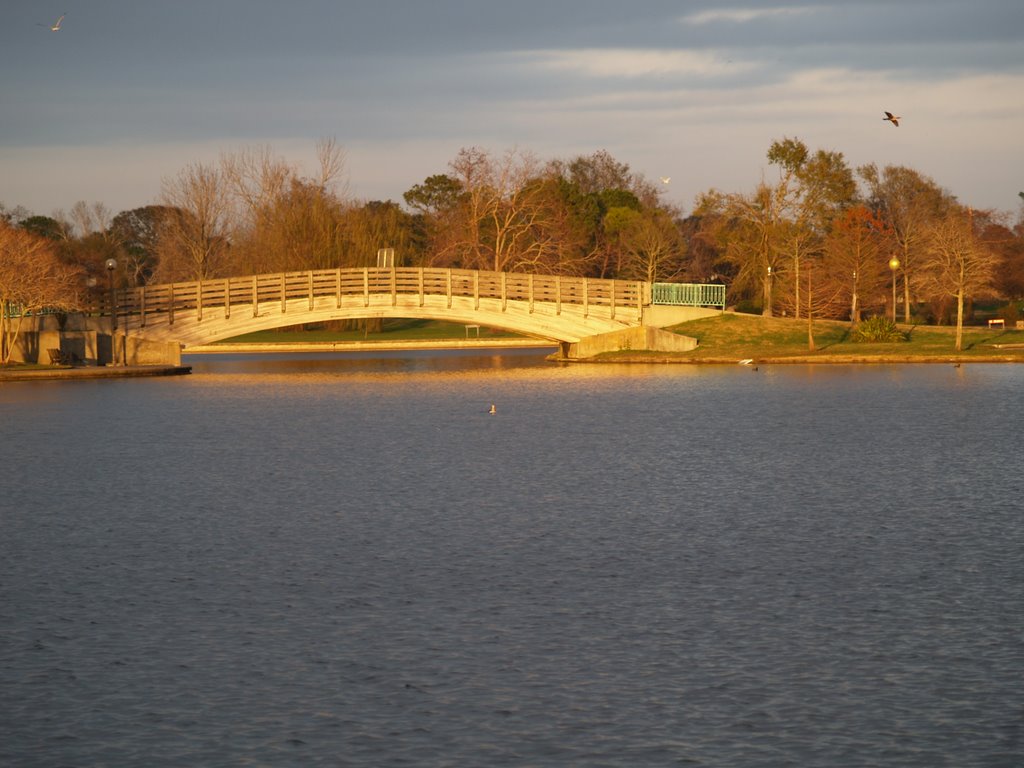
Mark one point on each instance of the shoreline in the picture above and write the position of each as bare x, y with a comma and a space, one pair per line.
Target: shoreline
63, 373
804, 360
59, 373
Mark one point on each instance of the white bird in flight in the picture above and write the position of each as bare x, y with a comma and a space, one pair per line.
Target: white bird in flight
666, 179
55, 27
894, 119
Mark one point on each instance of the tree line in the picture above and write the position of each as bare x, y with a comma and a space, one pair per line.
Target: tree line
815, 238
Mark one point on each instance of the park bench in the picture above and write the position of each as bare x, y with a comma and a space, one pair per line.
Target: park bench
60, 357
996, 322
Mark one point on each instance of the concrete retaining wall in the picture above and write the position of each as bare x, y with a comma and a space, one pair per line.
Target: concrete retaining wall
643, 338
664, 315
92, 348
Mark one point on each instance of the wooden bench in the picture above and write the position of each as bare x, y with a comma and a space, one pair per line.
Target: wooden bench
996, 322
59, 357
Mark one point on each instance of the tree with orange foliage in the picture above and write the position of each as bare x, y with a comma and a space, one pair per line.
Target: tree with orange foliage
32, 279
856, 254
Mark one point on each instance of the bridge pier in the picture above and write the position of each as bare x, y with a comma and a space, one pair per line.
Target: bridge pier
645, 338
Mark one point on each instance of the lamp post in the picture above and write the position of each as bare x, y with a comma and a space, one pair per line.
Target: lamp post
894, 264
853, 300
111, 265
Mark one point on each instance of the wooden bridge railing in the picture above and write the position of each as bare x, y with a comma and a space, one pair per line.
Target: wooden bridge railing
257, 293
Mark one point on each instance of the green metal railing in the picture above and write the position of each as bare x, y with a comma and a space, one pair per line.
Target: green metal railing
689, 294
10, 309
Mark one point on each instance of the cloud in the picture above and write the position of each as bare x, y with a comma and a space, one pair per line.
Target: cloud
743, 15
633, 63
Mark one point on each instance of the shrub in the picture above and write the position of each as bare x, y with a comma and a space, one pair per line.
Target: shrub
1010, 314
878, 329
747, 307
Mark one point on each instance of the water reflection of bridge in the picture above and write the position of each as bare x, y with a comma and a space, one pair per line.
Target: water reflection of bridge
583, 315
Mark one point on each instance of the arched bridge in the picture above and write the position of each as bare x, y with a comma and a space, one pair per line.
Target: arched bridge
567, 310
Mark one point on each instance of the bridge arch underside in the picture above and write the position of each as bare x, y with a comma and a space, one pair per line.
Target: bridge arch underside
543, 320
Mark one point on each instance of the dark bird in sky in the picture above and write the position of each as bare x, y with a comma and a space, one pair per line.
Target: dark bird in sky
894, 119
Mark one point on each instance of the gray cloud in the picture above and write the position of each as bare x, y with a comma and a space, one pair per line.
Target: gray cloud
555, 75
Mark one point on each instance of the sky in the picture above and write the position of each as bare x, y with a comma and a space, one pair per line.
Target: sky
130, 92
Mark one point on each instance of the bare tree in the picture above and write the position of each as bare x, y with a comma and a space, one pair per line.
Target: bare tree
502, 205
256, 179
749, 229
332, 160
958, 264
910, 203
90, 218
194, 238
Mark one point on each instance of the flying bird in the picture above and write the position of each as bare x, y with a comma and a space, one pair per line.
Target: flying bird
55, 27
666, 179
894, 119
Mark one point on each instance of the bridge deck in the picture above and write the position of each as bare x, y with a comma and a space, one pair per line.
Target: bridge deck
255, 290
549, 306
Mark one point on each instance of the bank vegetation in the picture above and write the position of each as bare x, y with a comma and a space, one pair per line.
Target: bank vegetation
815, 239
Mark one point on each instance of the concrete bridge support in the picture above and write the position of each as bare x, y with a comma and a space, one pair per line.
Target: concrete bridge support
82, 339
628, 339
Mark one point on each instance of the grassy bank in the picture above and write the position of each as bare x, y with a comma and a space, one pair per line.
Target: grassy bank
731, 337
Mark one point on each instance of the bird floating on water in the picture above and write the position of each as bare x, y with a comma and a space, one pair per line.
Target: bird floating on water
493, 409
55, 27
894, 119
747, 361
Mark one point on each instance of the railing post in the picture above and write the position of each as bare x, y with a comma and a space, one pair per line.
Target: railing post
529, 281
558, 294
311, 290
337, 288
284, 293
476, 289
170, 304
227, 298
586, 297
142, 307
421, 285
504, 291
449, 286
366, 286
394, 287
613, 298
255, 296
199, 301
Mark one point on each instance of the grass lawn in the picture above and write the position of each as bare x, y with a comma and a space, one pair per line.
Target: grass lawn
731, 337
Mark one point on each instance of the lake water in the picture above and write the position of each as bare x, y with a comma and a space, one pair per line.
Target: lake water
350, 562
